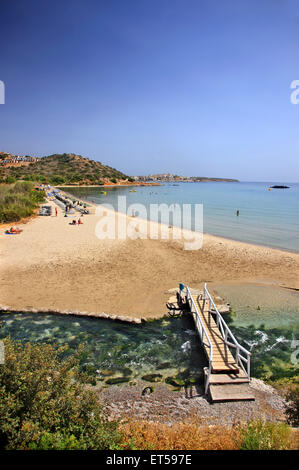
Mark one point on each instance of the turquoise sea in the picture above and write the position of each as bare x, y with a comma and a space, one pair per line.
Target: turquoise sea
266, 217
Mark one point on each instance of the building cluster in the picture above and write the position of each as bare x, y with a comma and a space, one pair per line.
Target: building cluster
7, 159
161, 177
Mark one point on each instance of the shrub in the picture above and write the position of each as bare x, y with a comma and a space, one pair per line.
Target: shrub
44, 403
260, 435
292, 407
56, 179
18, 201
10, 179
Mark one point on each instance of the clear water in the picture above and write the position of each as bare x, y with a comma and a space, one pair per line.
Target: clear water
265, 320
261, 304
268, 218
168, 348
115, 350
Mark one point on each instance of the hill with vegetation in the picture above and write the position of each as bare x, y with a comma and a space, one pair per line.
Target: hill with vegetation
66, 168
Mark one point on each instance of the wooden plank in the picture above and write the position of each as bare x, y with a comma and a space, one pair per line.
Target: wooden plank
222, 358
234, 392
221, 379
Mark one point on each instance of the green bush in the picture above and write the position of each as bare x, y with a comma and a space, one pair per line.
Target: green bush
44, 403
292, 407
56, 179
10, 179
18, 200
260, 435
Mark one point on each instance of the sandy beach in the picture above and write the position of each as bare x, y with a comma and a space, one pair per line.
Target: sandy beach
53, 265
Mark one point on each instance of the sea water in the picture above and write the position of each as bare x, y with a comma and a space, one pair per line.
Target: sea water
265, 319
166, 350
266, 217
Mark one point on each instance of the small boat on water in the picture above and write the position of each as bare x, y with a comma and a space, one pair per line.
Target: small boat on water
278, 186
132, 190
104, 192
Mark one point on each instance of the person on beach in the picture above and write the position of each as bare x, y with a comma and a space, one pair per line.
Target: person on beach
238, 213
80, 222
56, 211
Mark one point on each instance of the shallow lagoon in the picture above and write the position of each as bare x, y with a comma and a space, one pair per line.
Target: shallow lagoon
115, 351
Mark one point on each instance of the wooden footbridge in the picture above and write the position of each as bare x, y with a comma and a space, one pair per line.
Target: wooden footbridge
227, 376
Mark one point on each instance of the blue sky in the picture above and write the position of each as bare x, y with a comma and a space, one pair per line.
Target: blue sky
192, 87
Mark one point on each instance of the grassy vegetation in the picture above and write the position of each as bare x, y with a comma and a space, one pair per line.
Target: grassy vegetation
255, 435
258, 435
147, 435
63, 169
18, 200
46, 403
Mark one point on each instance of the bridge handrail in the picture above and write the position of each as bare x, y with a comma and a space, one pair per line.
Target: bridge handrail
225, 330
203, 334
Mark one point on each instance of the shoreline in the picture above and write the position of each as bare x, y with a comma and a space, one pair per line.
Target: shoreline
136, 183
217, 237
222, 237
54, 267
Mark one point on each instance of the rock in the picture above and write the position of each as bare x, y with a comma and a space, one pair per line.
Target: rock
106, 372
147, 391
152, 377
117, 380
164, 365
174, 382
126, 371
224, 308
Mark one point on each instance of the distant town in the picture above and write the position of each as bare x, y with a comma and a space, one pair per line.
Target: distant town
8, 159
169, 177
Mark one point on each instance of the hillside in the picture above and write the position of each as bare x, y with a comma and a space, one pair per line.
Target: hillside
66, 168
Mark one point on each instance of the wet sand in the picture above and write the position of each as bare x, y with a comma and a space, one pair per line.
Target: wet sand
54, 265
